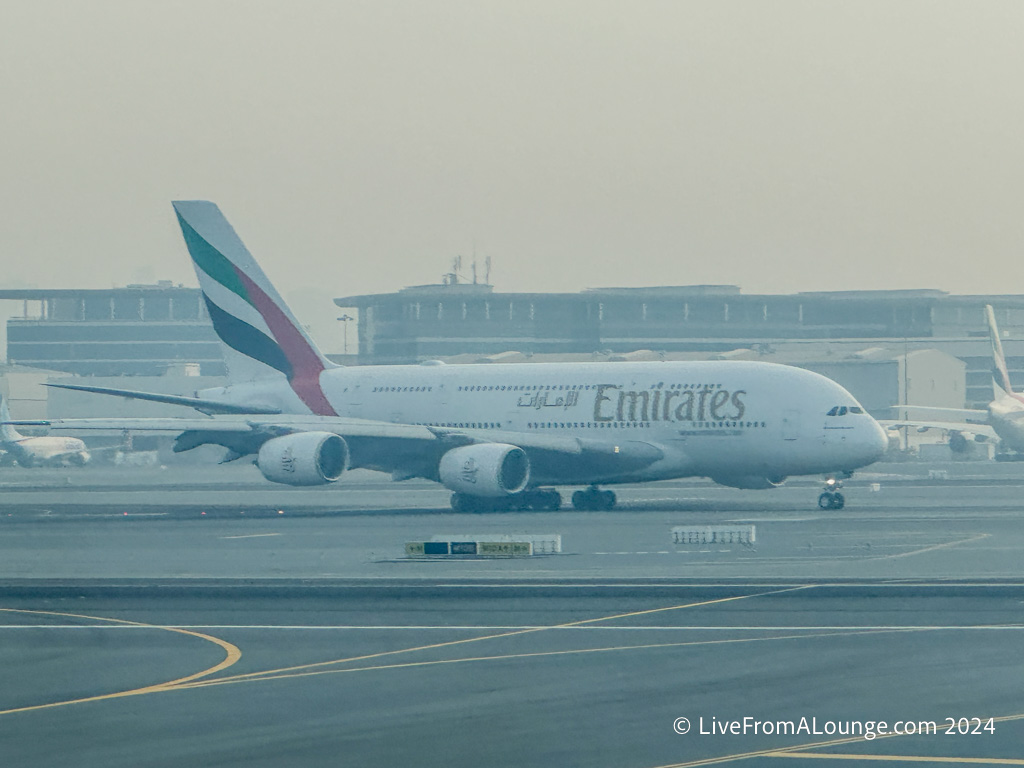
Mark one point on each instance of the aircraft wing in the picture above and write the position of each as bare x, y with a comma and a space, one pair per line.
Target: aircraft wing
200, 404
405, 450
966, 412
131, 424
948, 426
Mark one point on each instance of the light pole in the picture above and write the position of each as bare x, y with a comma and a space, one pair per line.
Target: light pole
345, 320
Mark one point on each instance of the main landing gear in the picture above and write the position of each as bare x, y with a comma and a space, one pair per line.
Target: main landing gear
538, 500
832, 498
593, 500
1009, 456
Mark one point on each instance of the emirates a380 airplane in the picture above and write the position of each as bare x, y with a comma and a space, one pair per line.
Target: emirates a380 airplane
498, 436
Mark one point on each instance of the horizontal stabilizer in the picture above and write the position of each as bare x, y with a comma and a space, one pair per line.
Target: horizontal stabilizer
201, 405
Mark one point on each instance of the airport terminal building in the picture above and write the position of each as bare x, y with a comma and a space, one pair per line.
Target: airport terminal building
869, 341
442, 321
140, 330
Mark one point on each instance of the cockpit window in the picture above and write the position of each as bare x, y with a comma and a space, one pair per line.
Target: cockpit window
842, 410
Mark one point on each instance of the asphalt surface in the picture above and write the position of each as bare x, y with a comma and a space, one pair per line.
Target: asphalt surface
288, 628
228, 523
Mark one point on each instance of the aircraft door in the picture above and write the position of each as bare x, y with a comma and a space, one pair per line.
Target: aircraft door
790, 425
353, 406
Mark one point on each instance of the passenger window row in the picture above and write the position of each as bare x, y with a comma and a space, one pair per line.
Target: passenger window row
564, 387
523, 387
461, 425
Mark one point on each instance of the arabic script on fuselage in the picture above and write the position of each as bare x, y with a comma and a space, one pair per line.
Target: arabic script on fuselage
613, 402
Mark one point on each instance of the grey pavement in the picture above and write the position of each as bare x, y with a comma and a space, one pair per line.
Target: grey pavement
288, 628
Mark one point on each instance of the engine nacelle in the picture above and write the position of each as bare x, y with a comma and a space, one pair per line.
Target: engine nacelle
304, 458
958, 441
487, 469
750, 482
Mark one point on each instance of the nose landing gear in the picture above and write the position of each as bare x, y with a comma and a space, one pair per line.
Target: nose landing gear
832, 498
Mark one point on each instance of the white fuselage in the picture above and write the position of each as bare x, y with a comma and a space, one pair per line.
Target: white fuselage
723, 420
1006, 417
52, 451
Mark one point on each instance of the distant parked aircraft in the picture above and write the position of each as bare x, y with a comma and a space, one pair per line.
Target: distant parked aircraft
1002, 419
37, 451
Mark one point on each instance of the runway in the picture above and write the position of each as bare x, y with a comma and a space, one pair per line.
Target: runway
227, 523
301, 635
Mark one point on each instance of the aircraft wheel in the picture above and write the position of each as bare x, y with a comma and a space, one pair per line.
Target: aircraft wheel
825, 500
519, 502
552, 501
838, 502
592, 500
543, 501
462, 502
586, 501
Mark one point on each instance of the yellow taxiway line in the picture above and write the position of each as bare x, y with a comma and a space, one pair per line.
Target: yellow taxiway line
232, 655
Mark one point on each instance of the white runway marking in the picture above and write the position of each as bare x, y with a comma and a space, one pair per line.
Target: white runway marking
514, 627
891, 583
251, 536
676, 552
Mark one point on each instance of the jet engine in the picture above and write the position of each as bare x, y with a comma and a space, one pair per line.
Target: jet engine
485, 469
750, 482
959, 441
304, 458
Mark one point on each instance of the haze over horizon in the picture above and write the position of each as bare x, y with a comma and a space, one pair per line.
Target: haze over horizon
359, 147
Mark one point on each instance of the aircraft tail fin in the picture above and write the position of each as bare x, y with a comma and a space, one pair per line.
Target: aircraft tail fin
8, 434
1001, 386
259, 335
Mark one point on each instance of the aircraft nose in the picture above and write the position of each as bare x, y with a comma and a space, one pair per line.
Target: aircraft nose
877, 442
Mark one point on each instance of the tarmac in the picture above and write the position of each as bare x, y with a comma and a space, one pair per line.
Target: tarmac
199, 615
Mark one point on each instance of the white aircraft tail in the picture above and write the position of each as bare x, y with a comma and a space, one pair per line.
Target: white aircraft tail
8, 434
259, 335
1001, 386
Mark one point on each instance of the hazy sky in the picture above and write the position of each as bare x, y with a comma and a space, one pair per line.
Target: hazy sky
358, 146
